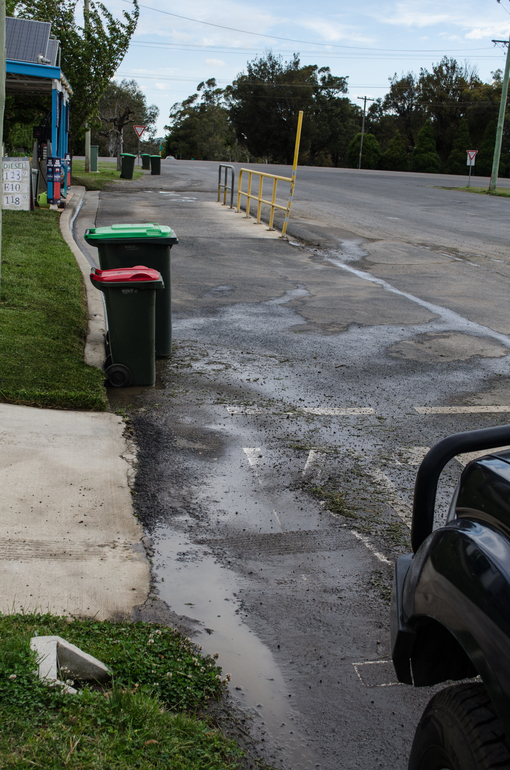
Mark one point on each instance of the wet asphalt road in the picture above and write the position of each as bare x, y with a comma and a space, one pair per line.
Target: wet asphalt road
279, 448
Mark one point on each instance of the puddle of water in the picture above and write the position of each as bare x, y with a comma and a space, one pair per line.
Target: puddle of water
197, 586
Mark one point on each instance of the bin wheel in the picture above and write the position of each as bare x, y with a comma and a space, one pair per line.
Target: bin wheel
108, 362
119, 375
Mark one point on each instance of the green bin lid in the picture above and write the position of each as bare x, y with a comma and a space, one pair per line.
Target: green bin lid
126, 154
129, 231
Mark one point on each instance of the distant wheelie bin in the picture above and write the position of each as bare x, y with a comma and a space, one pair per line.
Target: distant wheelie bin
130, 298
146, 161
127, 165
155, 165
127, 245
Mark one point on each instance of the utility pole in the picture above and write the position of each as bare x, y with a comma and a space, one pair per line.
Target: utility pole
86, 11
501, 119
365, 99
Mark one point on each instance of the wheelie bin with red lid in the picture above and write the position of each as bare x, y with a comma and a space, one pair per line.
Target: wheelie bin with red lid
127, 245
130, 298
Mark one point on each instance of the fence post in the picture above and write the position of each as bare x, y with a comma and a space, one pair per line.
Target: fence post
294, 167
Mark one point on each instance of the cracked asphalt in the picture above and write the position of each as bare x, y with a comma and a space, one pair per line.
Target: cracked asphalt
278, 450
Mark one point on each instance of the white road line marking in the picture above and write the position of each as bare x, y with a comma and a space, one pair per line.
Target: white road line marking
253, 455
356, 667
466, 458
311, 460
338, 412
400, 507
366, 542
461, 409
412, 455
245, 410
319, 411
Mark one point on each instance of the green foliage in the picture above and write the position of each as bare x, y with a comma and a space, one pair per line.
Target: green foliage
265, 103
200, 126
485, 155
402, 101
123, 105
371, 155
20, 140
425, 157
43, 318
134, 722
457, 161
445, 94
396, 156
90, 55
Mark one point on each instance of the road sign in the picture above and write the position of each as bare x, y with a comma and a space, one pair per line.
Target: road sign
471, 156
139, 130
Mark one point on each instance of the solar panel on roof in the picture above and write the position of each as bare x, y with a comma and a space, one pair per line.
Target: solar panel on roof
52, 52
26, 40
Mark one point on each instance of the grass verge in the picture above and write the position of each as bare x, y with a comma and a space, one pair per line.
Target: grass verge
501, 193
145, 719
107, 172
43, 318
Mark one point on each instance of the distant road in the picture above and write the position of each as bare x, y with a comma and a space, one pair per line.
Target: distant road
331, 205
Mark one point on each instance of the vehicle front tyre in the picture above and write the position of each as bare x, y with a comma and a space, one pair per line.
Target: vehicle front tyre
459, 730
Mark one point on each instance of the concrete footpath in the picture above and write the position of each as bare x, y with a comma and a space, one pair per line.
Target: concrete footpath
69, 542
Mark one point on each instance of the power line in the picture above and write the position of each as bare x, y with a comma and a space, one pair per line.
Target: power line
305, 42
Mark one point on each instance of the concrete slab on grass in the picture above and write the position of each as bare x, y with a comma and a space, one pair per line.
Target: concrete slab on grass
69, 542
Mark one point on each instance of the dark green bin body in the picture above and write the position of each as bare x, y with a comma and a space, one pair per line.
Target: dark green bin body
127, 165
94, 150
155, 165
130, 307
146, 161
141, 244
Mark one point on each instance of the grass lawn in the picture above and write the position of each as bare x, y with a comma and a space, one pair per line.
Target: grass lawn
43, 318
501, 193
107, 172
145, 718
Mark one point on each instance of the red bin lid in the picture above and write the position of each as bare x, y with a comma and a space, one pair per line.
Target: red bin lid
124, 274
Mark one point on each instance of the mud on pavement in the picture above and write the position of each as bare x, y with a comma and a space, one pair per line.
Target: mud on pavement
277, 457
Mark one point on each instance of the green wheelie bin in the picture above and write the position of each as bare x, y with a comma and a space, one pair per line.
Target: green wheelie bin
130, 298
127, 245
146, 161
127, 165
155, 165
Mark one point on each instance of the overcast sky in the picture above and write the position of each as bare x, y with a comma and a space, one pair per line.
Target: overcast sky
178, 44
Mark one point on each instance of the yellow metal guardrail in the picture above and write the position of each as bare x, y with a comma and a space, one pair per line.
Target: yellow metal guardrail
259, 196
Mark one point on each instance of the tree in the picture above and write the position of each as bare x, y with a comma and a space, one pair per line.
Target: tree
486, 152
90, 54
445, 95
403, 102
199, 126
332, 122
265, 102
425, 157
121, 105
396, 157
457, 159
371, 156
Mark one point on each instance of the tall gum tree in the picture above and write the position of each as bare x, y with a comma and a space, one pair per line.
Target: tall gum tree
91, 53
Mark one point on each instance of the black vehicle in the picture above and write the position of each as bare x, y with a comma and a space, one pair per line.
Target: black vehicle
450, 613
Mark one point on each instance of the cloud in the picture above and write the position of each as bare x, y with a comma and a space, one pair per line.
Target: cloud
215, 63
